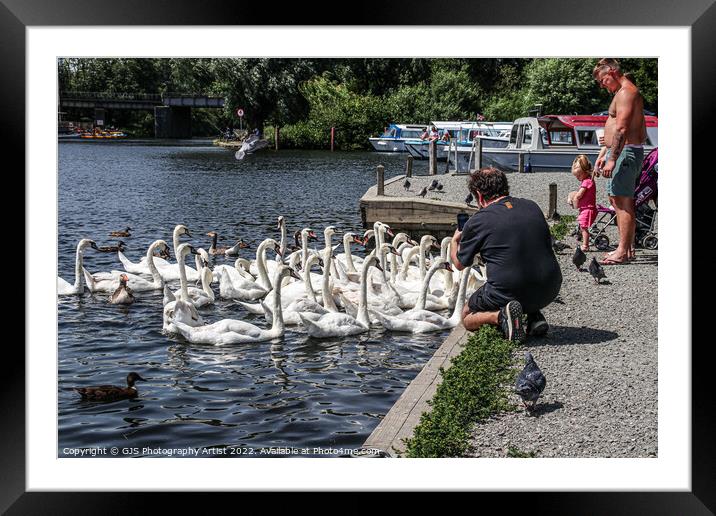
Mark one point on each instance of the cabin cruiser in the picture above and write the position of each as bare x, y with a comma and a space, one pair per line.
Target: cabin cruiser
462, 134
547, 143
394, 137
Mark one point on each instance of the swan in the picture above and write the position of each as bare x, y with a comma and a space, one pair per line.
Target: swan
109, 281
65, 288
234, 251
169, 271
234, 286
419, 320
281, 226
179, 311
231, 331
269, 267
197, 296
346, 257
335, 324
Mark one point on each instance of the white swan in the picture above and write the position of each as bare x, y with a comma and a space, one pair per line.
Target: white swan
347, 257
65, 288
179, 311
109, 281
197, 296
261, 267
234, 286
334, 324
419, 320
169, 271
231, 331
281, 226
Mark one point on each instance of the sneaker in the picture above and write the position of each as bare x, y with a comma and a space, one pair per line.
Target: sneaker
510, 320
536, 324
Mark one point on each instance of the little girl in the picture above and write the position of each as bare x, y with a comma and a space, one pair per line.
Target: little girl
585, 198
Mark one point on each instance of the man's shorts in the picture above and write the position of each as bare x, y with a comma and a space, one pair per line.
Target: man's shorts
626, 171
482, 301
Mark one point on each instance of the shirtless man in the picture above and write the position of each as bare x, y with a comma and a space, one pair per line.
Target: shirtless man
622, 155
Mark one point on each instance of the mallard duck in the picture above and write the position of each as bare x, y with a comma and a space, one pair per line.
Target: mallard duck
124, 233
112, 248
111, 392
123, 295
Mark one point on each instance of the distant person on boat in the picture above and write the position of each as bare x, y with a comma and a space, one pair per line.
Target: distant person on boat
446, 136
425, 135
621, 158
513, 239
433, 134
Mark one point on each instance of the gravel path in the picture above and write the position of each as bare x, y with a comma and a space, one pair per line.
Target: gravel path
599, 357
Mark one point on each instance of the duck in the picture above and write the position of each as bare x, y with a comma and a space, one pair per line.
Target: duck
65, 288
124, 233
123, 295
338, 324
169, 271
112, 248
231, 331
109, 281
111, 392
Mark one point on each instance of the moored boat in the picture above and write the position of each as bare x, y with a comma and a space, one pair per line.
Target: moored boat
548, 143
394, 137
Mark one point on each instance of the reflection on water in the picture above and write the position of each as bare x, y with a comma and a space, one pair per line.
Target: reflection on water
293, 392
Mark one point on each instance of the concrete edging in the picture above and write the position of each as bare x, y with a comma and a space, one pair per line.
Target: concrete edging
404, 416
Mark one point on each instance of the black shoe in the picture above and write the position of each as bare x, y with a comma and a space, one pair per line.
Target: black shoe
511, 321
536, 324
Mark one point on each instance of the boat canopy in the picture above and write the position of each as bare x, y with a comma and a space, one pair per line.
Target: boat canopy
404, 131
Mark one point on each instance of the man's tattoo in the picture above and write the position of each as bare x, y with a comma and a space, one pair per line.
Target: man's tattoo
617, 145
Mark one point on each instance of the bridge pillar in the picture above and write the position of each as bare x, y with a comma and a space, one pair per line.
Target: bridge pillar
172, 122
99, 117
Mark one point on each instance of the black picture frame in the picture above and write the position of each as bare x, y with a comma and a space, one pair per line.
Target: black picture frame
700, 16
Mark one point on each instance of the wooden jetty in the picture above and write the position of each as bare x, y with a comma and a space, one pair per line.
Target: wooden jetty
403, 209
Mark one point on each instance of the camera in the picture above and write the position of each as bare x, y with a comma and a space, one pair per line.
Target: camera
461, 220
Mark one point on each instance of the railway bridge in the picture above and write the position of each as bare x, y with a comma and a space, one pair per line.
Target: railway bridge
172, 111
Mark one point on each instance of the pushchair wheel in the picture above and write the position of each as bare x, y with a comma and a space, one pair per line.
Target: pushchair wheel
602, 242
650, 242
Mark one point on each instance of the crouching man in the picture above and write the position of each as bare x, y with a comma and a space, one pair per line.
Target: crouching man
512, 237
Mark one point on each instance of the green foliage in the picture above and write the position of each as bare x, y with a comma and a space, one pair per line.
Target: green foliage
359, 96
472, 389
513, 451
565, 224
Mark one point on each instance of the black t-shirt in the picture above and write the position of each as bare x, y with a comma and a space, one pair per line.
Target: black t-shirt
513, 239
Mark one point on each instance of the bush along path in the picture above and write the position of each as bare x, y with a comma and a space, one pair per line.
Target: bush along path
473, 388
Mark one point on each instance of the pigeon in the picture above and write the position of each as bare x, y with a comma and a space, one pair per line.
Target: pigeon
406, 184
423, 192
596, 270
578, 258
530, 382
439, 188
468, 199
433, 185
558, 246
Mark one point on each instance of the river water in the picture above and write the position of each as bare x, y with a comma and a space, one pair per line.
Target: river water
317, 396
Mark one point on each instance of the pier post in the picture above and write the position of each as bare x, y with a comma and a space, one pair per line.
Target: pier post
333, 136
552, 200
520, 162
409, 167
432, 155
478, 154
275, 137
380, 173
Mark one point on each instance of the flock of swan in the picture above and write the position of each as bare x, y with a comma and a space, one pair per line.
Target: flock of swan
399, 285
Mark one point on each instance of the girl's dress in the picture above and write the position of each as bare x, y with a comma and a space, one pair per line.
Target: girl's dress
587, 204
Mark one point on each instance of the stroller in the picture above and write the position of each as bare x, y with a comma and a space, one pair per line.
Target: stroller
646, 192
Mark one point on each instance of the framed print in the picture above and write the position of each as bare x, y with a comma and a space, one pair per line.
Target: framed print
679, 479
